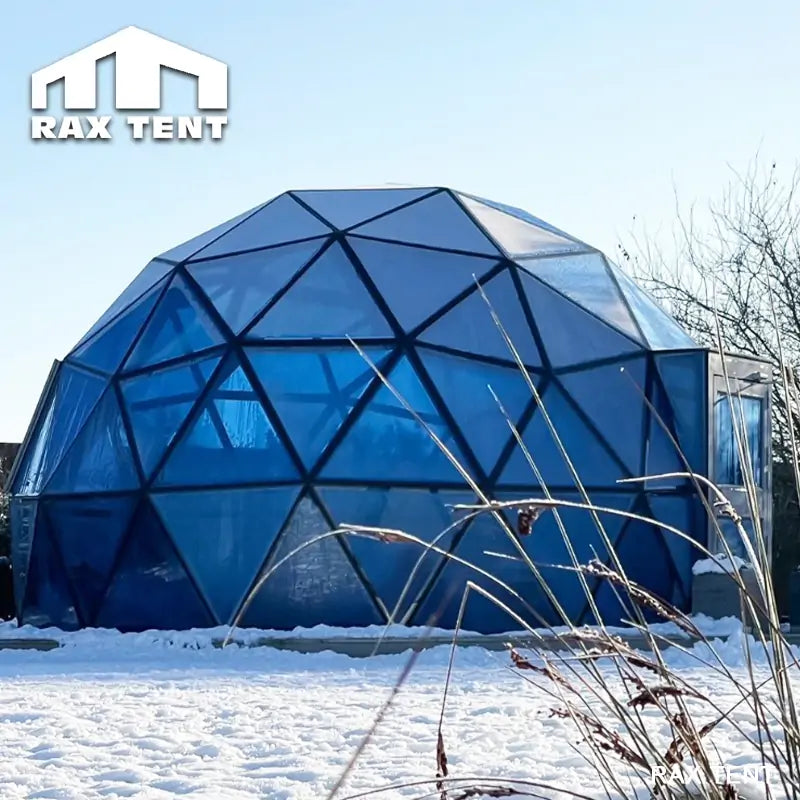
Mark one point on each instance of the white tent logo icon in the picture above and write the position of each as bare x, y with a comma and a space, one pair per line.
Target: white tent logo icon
139, 58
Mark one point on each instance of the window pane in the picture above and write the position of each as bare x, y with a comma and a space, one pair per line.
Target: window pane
415, 282
350, 206
329, 300
224, 537
746, 414
315, 584
437, 221
241, 286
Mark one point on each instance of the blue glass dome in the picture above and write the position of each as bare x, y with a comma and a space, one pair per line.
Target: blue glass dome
217, 416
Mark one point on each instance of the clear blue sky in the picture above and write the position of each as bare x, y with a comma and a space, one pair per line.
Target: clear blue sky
584, 113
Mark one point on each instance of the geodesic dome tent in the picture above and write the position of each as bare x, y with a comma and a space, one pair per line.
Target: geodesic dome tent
218, 416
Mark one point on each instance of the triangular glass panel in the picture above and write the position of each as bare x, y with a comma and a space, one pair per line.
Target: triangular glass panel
279, 221
684, 376
314, 391
516, 236
89, 532
23, 525
437, 221
100, 459
571, 335
646, 562
178, 327
329, 300
519, 213
318, 583
145, 280
594, 464
344, 208
186, 250
584, 278
48, 600
661, 331
488, 546
74, 394
662, 456
464, 387
158, 402
224, 537
150, 588
106, 350
240, 286
389, 569
687, 515
469, 326
612, 396
387, 440
230, 441
400, 271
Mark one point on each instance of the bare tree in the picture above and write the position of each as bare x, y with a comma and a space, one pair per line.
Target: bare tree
731, 276
737, 265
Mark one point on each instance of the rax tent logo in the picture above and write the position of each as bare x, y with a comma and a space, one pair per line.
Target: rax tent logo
139, 57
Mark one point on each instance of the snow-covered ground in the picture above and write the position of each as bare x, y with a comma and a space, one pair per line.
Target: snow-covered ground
161, 716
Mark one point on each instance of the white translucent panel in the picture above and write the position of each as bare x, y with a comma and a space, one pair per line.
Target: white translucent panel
585, 279
516, 236
661, 331
516, 212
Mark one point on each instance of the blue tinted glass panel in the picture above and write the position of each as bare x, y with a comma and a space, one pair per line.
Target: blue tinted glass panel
516, 236
106, 350
224, 537
328, 300
660, 330
465, 389
240, 286
684, 378
436, 222
158, 402
415, 282
387, 441
594, 464
47, 600
570, 335
189, 248
687, 515
488, 546
100, 459
89, 533
73, 395
738, 423
613, 398
584, 277
179, 326
661, 454
282, 220
145, 280
389, 568
318, 583
314, 391
23, 525
348, 207
232, 440
639, 548
150, 588
469, 326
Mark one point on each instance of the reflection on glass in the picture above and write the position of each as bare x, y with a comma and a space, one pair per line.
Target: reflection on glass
745, 414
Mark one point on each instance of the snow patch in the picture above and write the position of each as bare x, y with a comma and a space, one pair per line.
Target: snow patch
722, 566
